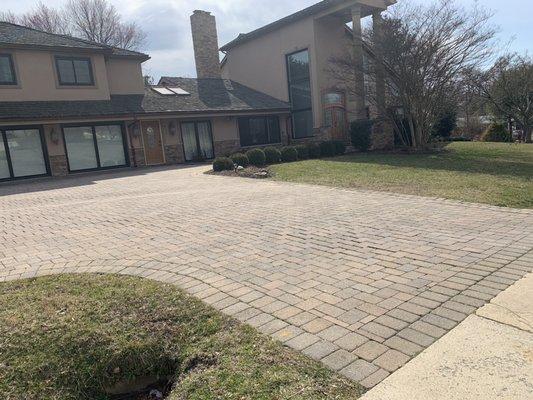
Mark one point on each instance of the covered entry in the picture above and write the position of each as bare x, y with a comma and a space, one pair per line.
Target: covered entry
22, 153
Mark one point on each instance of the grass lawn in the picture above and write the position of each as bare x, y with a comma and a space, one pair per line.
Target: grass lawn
83, 337
493, 173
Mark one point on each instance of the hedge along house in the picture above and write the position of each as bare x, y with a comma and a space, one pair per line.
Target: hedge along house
289, 60
69, 105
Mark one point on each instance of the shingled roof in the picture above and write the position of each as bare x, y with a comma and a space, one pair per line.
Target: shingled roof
12, 35
205, 96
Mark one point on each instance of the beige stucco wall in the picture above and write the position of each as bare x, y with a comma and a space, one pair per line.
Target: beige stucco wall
261, 63
125, 76
37, 79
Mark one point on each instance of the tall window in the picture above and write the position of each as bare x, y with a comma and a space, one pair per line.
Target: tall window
299, 79
73, 71
256, 131
7, 70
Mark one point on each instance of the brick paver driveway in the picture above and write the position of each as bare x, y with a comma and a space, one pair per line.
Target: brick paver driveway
360, 280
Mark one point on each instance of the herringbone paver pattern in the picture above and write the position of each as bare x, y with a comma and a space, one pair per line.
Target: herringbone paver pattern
362, 281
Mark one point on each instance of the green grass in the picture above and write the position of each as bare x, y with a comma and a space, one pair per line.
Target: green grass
492, 173
73, 337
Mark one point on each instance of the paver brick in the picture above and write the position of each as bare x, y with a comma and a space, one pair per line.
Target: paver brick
351, 262
391, 360
339, 359
370, 350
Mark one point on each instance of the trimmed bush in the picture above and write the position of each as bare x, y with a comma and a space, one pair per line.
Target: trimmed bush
240, 159
303, 152
496, 133
223, 164
340, 147
273, 155
313, 150
361, 134
327, 149
289, 154
256, 157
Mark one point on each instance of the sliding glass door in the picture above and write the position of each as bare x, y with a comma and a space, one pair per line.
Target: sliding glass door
197, 141
93, 147
22, 153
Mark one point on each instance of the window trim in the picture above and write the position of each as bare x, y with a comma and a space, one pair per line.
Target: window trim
93, 125
299, 110
4, 142
13, 71
267, 128
195, 123
72, 59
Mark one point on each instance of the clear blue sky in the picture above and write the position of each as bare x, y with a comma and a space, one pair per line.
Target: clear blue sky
169, 40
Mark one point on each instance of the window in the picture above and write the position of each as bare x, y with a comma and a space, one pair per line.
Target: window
7, 70
94, 147
22, 153
197, 141
256, 131
74, 71
299, 79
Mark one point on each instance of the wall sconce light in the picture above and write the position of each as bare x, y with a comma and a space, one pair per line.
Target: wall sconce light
54, 136
172, 128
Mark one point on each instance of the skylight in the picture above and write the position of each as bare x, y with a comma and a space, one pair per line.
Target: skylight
179, 91
171, 91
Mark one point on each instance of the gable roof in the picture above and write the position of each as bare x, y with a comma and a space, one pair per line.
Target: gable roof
206, 96
14, 35
306, 12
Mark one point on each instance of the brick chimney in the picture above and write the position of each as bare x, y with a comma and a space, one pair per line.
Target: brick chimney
205, 40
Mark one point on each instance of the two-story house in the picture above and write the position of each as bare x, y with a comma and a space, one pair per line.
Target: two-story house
69, 105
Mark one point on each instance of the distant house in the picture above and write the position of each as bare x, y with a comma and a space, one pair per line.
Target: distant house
69, 105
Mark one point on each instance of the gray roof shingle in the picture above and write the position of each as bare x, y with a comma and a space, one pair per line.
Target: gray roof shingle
206, 96
17, 35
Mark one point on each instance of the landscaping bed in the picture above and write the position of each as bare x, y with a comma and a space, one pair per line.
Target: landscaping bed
107, 337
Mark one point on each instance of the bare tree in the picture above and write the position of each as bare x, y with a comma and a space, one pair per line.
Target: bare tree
46, 19
8, 16
94, 20
99, 21
508, 87
424, 49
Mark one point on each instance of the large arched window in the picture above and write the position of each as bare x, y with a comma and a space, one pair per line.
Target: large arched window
335, 114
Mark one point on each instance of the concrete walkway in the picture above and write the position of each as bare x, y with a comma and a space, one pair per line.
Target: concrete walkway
489, 356
362, 281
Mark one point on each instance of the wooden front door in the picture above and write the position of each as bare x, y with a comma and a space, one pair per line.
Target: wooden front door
153, 144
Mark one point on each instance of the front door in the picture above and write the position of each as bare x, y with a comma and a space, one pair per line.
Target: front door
197, 141
153, 144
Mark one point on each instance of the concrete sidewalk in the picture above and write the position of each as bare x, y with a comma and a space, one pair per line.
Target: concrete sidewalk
489, 356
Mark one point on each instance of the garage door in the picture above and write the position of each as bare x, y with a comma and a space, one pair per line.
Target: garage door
92, 147
22, 153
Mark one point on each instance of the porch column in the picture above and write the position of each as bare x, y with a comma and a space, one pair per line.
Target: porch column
358, 61
380, 70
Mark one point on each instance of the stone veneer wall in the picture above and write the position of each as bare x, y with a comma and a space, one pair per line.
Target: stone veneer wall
174, 154
227, 147
382, 136
205, 41
137, 157
58, 165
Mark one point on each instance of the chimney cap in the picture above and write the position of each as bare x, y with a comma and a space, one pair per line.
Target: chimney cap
201, 12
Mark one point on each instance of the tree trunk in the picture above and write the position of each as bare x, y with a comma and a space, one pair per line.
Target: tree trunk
527, 134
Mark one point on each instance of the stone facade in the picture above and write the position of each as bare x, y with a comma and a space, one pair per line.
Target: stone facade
226, 147
205, 41
137, 157
382, 136
58, 165
174, 154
